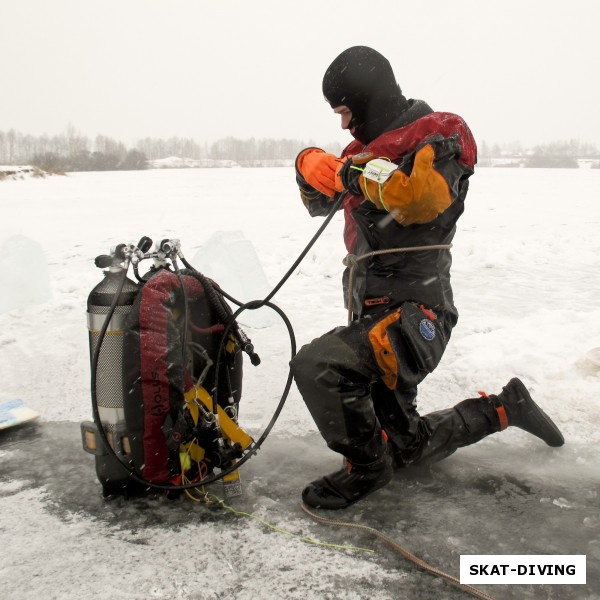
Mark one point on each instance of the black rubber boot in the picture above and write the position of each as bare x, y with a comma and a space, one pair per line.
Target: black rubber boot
349, 484
522, 412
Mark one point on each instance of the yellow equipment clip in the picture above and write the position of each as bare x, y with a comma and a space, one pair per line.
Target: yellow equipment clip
231, 430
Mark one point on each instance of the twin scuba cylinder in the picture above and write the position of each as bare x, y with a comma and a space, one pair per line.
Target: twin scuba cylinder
166, 367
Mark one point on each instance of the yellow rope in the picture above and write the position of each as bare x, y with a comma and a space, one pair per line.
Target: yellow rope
216, 500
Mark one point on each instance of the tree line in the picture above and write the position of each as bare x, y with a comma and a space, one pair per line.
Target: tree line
228, 148
72, 151
69, 151
559, 154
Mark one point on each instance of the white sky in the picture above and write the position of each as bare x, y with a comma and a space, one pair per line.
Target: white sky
514, 69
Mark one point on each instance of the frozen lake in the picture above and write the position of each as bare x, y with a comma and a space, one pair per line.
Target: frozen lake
526, 284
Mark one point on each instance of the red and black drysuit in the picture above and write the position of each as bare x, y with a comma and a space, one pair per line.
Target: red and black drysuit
361, 378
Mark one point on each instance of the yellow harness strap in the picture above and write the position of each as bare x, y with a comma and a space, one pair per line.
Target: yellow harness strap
231, 430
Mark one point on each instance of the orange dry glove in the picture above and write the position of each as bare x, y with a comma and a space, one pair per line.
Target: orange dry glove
419, 198
321, 170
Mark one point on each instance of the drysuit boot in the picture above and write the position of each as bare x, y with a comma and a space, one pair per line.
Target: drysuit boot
521, 411
349, 484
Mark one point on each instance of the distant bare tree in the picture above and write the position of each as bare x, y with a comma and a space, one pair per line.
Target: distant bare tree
134, 161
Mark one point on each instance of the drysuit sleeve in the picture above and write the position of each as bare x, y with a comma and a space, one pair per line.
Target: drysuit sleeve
422, 188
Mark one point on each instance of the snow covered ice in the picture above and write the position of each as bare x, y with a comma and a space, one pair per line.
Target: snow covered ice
527, 288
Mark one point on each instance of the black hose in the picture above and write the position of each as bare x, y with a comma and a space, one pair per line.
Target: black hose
223, 311
186, 311
256, 446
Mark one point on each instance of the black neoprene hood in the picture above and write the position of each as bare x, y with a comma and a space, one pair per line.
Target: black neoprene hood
363, 80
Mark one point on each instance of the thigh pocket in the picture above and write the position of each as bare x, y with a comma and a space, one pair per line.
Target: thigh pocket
408, 344
425, 335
